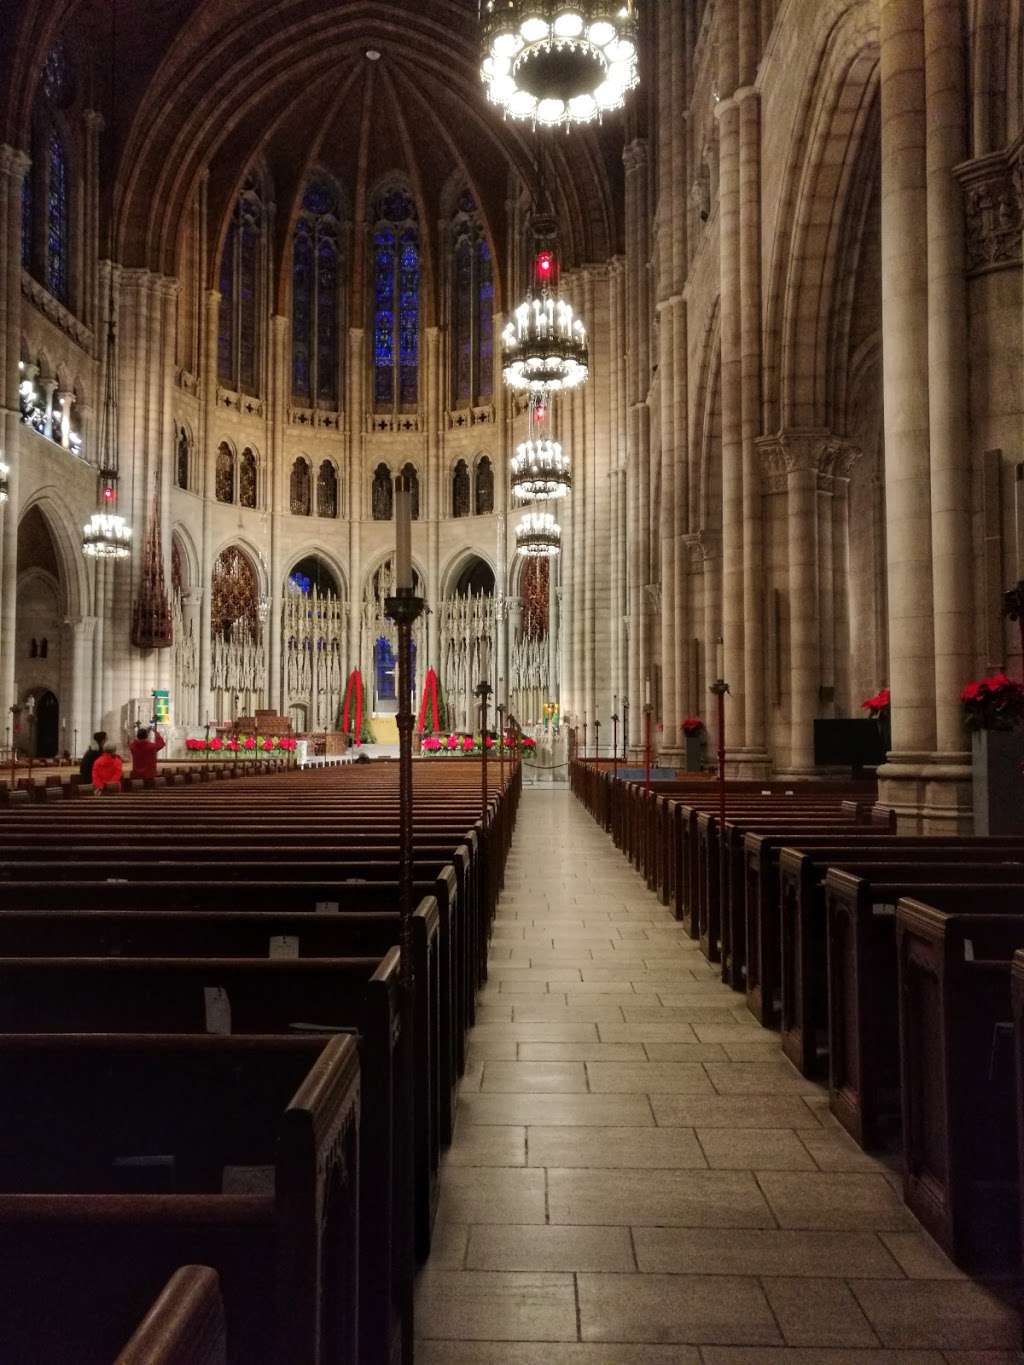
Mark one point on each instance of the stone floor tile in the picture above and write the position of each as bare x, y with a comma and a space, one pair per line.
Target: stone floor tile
842, 1200
957, 1315
763, 1252
550, 1248
813, 1312
487, 1145
684, 1052
753, 1149
733, 1111
555, 1110
669, 1078
704, 1013
792, 1355
835, 1150
581, 1052
597, 1011
478, 1052
520, 988
523, 1353
448, 1245
682, 1198
919, 1257
615, 1148
759, 1078
652, 1032
543, 1032
763, 1050
534, 1078
478, 1305
492, 1194
684, 1308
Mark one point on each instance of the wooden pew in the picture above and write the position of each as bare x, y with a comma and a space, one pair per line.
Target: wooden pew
123, 1157
804, 980
185, 1326
173, 995
960, 1117
863, 1014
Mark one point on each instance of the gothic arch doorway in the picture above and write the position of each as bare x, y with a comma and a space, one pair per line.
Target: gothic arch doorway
47, 725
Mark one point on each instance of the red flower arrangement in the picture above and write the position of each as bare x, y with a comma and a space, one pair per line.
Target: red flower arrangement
249, 742
692, 725
995, 703
215, 745
878, 705
529, 742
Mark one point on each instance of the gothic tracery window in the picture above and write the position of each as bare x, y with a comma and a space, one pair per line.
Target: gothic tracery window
471, 307
181, 473
241, 293
382, 498
413, 480
301, 490
58, 222
27, 217
484, 487
460, 490
235, 598
327, 490
225, 473
317, 298
247, 478
395, 285
534, 588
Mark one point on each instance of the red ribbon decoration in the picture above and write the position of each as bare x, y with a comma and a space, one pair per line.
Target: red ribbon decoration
355, 684
429, 700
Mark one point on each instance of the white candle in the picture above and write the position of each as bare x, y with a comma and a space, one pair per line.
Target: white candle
647, 691
403, 535
719, 659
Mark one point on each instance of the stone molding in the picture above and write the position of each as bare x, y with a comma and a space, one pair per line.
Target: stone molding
462, 419
402, 423
316, 419
814, 451
993, 188
56, 312
246, 404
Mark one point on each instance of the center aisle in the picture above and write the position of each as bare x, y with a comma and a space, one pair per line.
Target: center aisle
635, 1161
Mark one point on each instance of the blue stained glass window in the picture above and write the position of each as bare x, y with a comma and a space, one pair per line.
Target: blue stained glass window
485, 345
327, 321
241, 294
320, 199
472, 307
226, 328
384, 315
409, 314
462, 321
57, 222
302, 312
26, 221
248, 298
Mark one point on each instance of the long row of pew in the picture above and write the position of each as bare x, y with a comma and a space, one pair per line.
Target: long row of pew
886, 962
204, 1053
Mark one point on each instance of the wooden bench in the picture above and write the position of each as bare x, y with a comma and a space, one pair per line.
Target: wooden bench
123, 1158
185, 1326
187, 995
863, 1013
803, 924
960, 1117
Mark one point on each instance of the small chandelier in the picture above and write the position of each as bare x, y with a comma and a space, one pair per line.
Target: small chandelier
4, 474
544, 347
106, 535
540, 469
559, 62
538, 536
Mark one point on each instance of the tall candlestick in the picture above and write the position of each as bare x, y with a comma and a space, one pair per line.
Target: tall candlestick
403, 535
720, 658
647, 691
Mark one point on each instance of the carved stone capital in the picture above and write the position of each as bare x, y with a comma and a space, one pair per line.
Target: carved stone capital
993, 189
635, 155
813, 450
13, 161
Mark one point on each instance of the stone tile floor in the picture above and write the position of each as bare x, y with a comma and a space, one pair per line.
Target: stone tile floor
638, 1176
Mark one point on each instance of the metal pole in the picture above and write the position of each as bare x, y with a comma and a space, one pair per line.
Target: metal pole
483, 692
625, 729
615, 747
584, 736
597, 740
501, 743
648, 709
719, 688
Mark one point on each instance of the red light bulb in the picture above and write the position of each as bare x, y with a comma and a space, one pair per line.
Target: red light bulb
545, 265
108, 493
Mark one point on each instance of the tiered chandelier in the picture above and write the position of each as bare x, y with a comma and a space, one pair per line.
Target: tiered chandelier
544, 348
559, 62
539, 536
540, 469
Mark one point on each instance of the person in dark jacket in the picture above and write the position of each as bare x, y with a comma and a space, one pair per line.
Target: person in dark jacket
92, 754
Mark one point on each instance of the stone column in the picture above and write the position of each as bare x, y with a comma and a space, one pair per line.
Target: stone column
356, 441
905, 385
83, 634
952, 557
278, 417
795, 458
208, 489
435, 409
638, 431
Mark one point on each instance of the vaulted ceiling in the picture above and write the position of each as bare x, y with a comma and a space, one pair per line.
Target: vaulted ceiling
204, 87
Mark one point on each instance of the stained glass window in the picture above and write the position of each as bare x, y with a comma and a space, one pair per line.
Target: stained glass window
484, 487
58, 84
235, 592
414, 487
241, 294
471, 308
382, 498
58, 243
247, 478
27, 216
395, 282
534, 589
225, 480
317, 297
460, 490
182, 471
327, 490
301, 492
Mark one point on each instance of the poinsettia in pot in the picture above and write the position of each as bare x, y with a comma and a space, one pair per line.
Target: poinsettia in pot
694, 736
879, 708
993, 711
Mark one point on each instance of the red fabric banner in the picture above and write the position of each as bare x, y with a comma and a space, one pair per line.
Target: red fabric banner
429, 703
354, 689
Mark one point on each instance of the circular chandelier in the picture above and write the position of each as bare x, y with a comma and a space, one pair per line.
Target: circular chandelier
540, 468
538, 535
544, 347
106, 535
559, 62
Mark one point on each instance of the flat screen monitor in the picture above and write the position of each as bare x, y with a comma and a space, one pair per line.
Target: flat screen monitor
851, 744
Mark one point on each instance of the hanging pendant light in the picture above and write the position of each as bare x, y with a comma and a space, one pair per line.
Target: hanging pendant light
544, 347
538, 536
559, 62
540, 468
107, 535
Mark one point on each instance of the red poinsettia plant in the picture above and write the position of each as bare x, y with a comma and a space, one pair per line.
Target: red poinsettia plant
878, 705
692, 725
993, 703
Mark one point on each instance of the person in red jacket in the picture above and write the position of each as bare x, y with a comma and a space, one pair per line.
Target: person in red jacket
107, 770
144, 752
